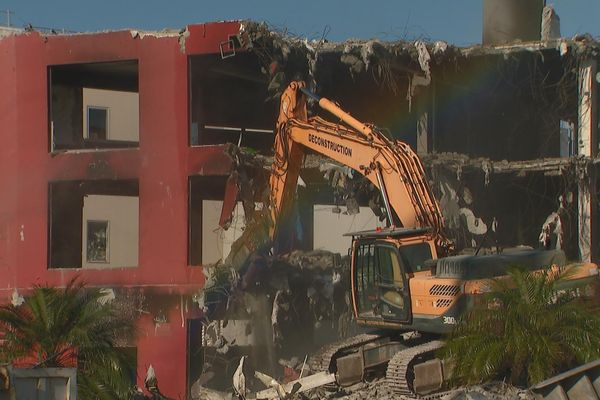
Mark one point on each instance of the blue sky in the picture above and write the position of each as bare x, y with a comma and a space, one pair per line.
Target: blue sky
456, 21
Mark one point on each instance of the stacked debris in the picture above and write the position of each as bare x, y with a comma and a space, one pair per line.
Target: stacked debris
318, 387
274, 311
490, 391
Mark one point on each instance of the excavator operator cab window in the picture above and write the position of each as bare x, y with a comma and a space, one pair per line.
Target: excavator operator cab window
366, 273
380, 281
389, 266
414, 256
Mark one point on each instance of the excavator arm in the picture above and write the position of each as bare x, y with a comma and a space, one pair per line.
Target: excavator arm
389, 164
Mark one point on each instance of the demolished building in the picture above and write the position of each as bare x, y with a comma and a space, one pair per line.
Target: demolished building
118, 148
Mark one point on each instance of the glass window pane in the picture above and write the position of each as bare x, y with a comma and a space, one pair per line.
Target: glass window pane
414, 256
97, 123
386, 270
97, 241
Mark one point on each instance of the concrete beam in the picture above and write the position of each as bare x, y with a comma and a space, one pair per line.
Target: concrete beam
587, 147
422, 134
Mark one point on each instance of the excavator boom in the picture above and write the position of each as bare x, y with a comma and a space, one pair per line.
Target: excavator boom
389, 164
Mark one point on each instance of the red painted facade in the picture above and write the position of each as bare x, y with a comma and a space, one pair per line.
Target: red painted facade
162, 164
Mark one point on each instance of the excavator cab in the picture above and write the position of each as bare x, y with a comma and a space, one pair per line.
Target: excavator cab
382, 265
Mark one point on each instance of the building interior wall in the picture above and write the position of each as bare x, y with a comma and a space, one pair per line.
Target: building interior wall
65, 225
121, 214
229, 102
204, 191
122, 109
66, 116
329, 227
525, 96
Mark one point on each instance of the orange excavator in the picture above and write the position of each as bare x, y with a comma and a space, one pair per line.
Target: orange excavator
405, 284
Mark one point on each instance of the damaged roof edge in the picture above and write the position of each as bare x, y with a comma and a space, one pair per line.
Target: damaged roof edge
261, 30
6, 31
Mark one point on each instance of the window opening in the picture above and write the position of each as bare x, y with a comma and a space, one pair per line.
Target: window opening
204, 235
93, 105
93, 224
229, 102
414, 256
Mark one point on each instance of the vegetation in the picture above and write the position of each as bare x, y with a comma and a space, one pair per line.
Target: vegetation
67, 327
526, 331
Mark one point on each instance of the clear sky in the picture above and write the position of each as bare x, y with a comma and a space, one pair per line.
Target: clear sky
456, 21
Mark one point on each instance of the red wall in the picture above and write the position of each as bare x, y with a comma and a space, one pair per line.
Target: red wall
162, 165
164, 347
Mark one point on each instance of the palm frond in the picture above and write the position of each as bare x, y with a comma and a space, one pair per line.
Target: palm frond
55, 325
526, 330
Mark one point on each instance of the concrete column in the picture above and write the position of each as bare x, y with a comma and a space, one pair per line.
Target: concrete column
587, 147
422, 133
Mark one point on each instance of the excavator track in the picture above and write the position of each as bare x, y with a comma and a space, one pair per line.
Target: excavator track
321, 361
399, 370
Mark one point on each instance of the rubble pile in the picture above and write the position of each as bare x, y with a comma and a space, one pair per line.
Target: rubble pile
491, 391
372, 389
274, 311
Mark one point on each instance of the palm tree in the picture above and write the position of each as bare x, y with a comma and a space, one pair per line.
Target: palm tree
528, 329
67, 327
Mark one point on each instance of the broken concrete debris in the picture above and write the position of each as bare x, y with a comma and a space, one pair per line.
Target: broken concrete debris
277, 308
376, 389
301, 385
318, 386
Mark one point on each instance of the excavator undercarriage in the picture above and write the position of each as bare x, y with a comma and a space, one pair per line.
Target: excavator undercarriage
408, 360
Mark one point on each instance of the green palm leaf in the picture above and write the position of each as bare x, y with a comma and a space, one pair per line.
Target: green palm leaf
54, 325
525, 331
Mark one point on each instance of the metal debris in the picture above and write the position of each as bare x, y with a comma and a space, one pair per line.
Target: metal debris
239, 380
